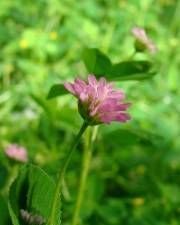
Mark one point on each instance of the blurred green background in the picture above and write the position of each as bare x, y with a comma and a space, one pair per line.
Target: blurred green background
134, 175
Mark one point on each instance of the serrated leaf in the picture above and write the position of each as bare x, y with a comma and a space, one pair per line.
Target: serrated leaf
57, 90
32, 191
13, 216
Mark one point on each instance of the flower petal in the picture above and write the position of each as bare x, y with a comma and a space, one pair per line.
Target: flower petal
69, 87
92, 80
123, 117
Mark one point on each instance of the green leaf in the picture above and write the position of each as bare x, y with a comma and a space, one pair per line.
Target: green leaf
32, 191
100, 65
5, 218
57, 90
3, 175
127, 137
96, 62
131, 70
13, 216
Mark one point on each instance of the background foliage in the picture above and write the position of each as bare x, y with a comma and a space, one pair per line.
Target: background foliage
134, 173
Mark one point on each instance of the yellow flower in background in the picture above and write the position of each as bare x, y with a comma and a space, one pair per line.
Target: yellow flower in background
23, 43
53, 35
137, 202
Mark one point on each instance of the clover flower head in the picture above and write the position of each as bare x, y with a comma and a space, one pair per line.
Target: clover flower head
17, 153
29, 218
98, 102
23, 44
143, 41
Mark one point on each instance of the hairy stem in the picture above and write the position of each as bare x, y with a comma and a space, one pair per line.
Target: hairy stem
84, 173
62, 173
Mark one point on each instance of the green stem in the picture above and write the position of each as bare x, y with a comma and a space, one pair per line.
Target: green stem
13, 172
62, 173
84, 173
